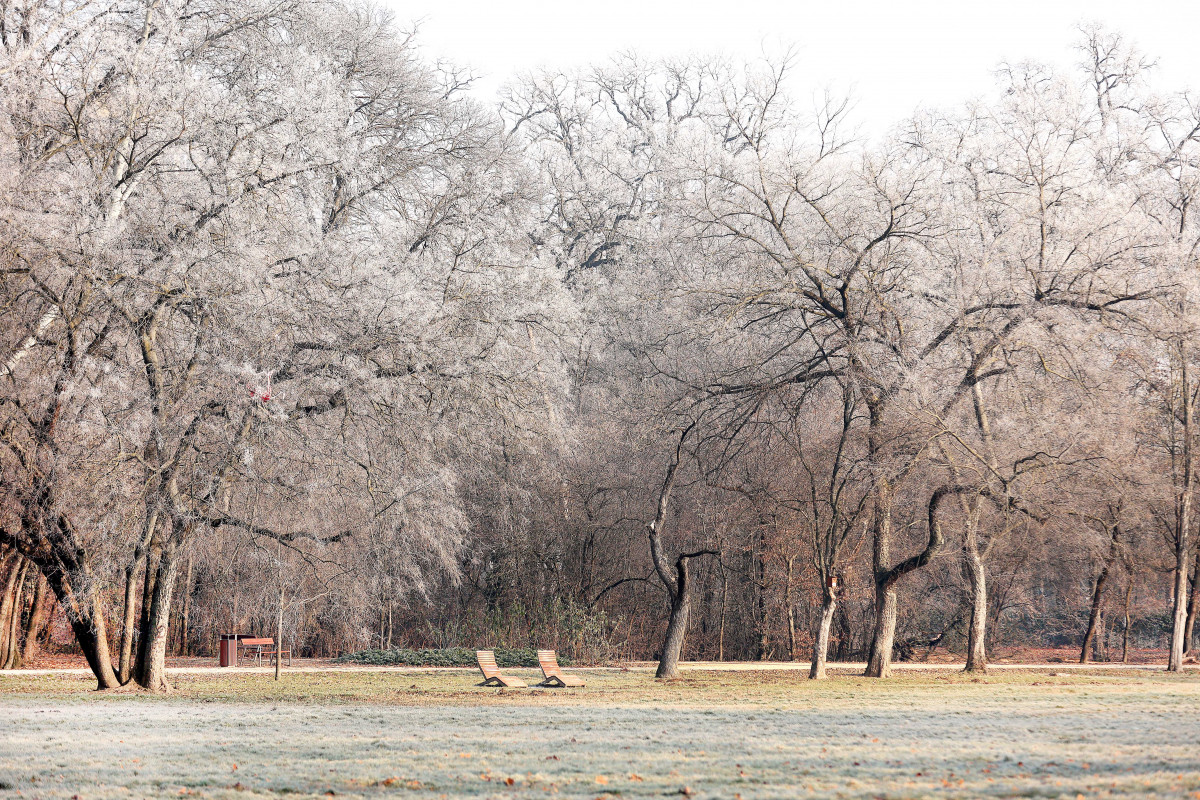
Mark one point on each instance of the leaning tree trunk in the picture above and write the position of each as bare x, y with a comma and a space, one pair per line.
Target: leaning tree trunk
85, 611
681, 604
820, 655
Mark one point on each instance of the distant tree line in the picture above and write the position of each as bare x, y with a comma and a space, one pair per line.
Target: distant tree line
650, 360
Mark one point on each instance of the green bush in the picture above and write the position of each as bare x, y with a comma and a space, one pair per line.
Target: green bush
443, 657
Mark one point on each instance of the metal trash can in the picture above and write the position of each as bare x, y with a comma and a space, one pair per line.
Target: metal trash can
229, 649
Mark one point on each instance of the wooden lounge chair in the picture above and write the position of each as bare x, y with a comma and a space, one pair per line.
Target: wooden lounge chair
491, 672
553, 672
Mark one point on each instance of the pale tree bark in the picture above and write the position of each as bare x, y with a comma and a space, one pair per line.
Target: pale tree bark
789, 601
1183, 522
977, 578
820, 654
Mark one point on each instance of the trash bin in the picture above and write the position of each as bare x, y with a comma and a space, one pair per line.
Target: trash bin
229, 649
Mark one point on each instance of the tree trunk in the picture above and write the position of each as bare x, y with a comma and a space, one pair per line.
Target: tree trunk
38, 616
977, 632
1125, 631
816, 670
1094, 617
129, 616
681, 603
389, 626
151, 671
10, 656
1189, 627
676, 581
724, 609
279, 626
8, 603
149, 587
185, 612
879, 664
85, 612
791, 610
1183, 522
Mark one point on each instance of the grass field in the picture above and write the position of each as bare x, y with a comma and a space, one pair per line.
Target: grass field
711, 735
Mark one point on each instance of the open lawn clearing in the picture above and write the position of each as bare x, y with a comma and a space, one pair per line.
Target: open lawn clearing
763, 735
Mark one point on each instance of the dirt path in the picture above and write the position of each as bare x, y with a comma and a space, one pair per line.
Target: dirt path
707, 666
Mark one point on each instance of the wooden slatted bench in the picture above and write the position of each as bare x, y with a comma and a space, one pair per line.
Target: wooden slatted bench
491, 672
554, 676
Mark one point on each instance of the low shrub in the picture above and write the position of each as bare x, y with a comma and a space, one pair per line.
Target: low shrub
443, 657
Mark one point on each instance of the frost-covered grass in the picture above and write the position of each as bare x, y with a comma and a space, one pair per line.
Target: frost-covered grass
720, 735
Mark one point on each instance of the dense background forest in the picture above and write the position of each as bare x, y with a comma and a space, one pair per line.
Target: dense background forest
651, 360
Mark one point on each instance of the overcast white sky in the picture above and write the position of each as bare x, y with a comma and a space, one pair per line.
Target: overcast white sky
894, 56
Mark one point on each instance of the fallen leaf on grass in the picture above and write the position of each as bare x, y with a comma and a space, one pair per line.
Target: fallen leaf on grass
602, 780
633, 776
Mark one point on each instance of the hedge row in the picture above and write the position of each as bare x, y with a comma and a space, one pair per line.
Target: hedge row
444, 657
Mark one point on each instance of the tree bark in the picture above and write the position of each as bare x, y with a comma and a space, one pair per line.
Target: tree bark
681, 603
1189, 628
816, 670
185, 613
1125, 631
14, 599
1183, 523
38, 617
791, 609
879, 663
129, 616
8, 601
674, 579
153, 559
977, 631
151, 672
1089, 637
85, 612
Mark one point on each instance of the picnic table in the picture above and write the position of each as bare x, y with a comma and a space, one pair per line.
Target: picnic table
243, 645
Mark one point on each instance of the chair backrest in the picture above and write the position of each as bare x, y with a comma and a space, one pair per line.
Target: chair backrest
487, 663
254, 642
548, 662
